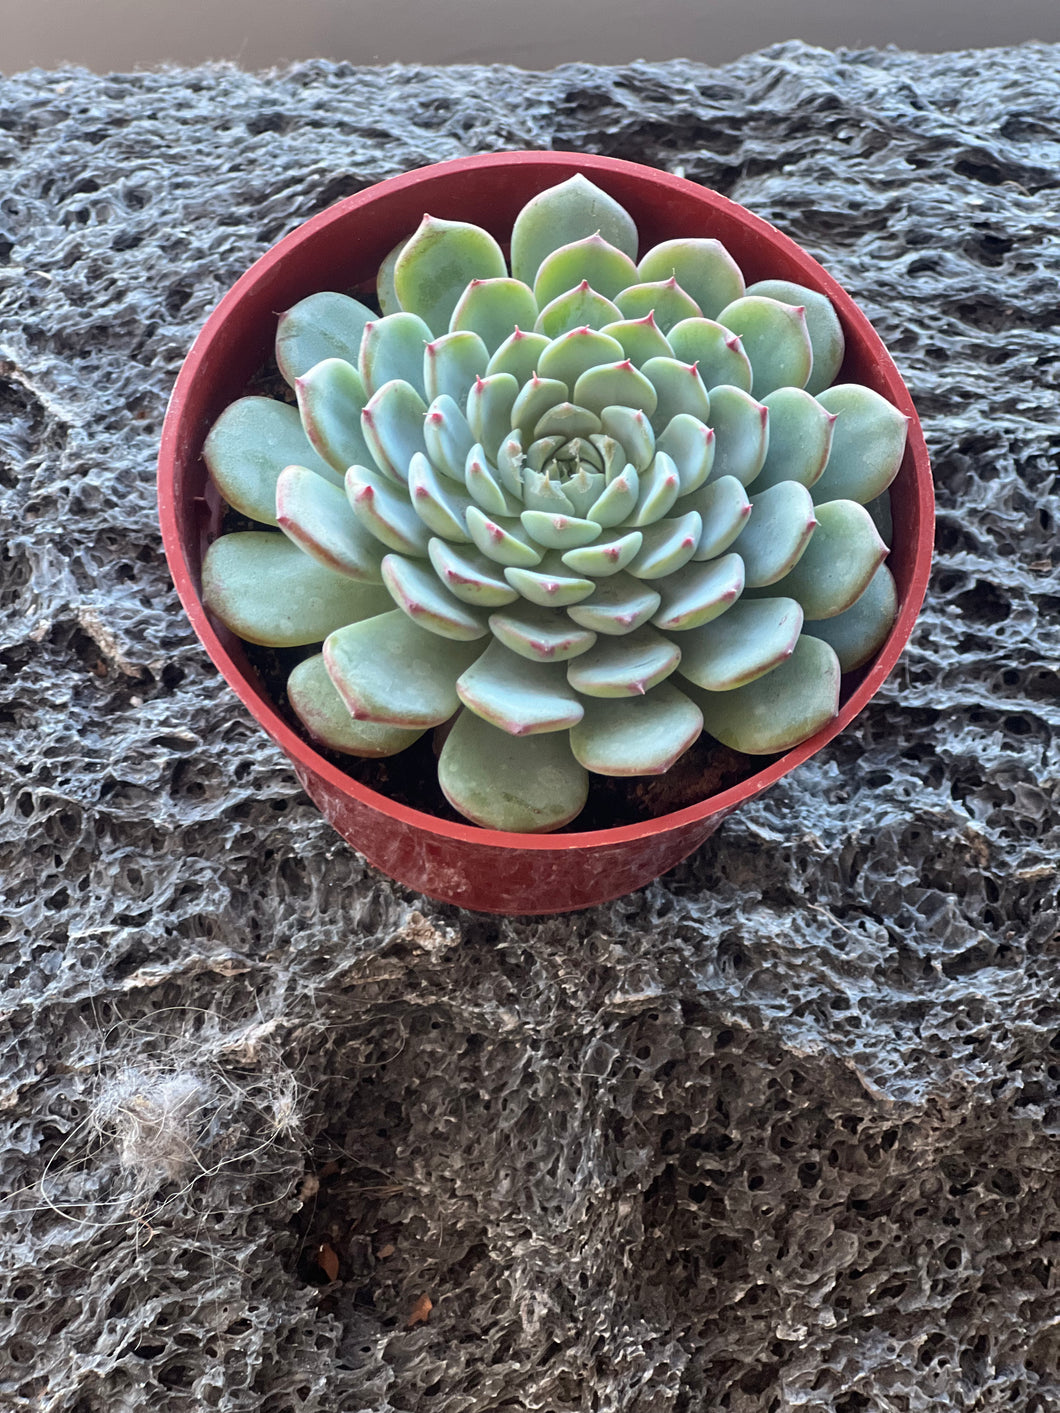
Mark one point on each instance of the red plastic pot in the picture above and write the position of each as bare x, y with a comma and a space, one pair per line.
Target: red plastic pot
341, 249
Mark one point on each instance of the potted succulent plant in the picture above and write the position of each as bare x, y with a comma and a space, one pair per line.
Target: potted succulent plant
587, 471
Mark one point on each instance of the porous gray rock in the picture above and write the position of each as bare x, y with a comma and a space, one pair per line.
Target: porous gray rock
779, 1132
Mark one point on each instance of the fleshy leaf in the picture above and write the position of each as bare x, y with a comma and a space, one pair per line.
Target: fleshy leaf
452, 363
822, 324
492, 308
489, 410
262, 587
331, 397
606, 557
701, 266
482, 484
317, 704
868, 443
565, 213
384, 280
668, 544
747, 641
680, 389
618, 606
624, 667
502, 540
390, 670
858, 633
775, 339
633, 431
536, 397
418, 592
392, 422
317, 517
800, 435
567, 420
777, 534
742, 428
521, 697
724, 506
616, 501
392, 348
690, 444
699, 593
640, 339
447, 437
540, 634
607, 269
579, 306
665, 299
440, 503
247, 448
660, 485
524, 785
639, 736
438, 264
552, 584
839, 561
615, 385
779, 710
559, 532
574, 353
471, 576
519, 355
325, 325
716, 350
386, 512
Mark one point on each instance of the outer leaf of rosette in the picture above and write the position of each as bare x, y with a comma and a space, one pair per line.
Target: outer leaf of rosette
690, 444
247, 448
519, 696
800, 436
822, 324
725, 507
324, 325
777, 534
699, 593
636, 736
519, 355
392, 422
386, 512
484, 487
578, 307
880, 510
868, 443
607, 269
452, 363
439, 262
489, 410
384, 280
679, 388
633, 431
605, 558
493, 308
741, 426
779, 709
775, 339
668, 545
716, 350
331, 398
624, 667
317, 704
440, 503
563, 214
317, 517
615, 385
573, 353
663, 298
447, 437
470, 576
392, 348
420, 594
836, 566
640, 339
521, 784
660, 485
858, 633
558, 532
748, 640
536, 397
617, 501
619, 605
502, 540
701, 266
390, 670
540, 634
552, 584
262, 587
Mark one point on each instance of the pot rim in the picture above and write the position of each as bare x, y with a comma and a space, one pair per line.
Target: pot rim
175, 435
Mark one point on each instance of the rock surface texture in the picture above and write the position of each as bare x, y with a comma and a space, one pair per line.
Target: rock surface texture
780, 1132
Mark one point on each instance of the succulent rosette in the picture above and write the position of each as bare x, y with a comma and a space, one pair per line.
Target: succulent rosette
575, 508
